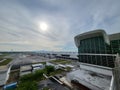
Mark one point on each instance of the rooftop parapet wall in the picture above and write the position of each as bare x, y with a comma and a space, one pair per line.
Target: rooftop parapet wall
116, 74
115, 36
98, 32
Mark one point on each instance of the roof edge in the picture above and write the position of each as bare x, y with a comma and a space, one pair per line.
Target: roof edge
89, 34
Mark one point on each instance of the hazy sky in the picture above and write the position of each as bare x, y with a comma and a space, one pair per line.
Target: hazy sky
20, 22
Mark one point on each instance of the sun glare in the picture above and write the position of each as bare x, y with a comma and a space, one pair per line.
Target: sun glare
43, 26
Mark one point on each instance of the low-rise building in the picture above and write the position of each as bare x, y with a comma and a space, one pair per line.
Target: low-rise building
25, 70
37, 67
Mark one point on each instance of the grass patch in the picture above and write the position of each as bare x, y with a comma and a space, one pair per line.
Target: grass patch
43, 62
2, 56
46, 88
8, 60
13, 76
25, 80
27, 85
36, 77
29, 81
59, 71
61, 61
38, 74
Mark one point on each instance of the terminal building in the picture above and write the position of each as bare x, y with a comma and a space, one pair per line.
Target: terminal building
97, 52
98, 48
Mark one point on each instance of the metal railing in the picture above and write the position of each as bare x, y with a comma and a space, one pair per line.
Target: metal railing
116, 75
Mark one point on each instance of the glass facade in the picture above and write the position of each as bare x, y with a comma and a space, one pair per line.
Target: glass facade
107, 61
93, 45
115, 45
94, 50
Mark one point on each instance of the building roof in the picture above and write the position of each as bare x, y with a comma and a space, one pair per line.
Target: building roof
24, 73
115, 36
94, 81
90, 34
25, 68
37, 65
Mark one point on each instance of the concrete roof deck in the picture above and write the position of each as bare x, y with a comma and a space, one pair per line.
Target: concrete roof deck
24, 73
94, 81
25, 68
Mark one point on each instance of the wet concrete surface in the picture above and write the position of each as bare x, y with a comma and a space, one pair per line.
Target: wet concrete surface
53, 85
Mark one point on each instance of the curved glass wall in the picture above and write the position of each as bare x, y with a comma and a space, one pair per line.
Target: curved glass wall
115, 45
107, 61
94, 45
94, 51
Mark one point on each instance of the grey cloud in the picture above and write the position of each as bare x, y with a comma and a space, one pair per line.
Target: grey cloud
66, 18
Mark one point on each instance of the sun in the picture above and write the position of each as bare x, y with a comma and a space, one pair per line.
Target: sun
43, 26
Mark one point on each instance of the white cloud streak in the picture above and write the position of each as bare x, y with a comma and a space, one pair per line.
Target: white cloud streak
19, 21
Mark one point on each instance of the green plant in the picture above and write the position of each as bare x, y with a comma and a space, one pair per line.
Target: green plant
38, 75
28, 82
8, 60
28, 85
49, 69
27, 77
46, 88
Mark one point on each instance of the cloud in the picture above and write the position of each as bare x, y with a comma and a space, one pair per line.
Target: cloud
18, 29
19, 22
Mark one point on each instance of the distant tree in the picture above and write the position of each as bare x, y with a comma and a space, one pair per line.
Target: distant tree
27, 77
28, 82
38, 75
49, 69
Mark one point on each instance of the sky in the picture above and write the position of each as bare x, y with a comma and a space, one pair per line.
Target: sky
20, 22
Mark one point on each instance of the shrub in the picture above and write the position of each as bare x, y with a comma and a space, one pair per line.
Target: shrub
27, 85
27, 77
27, 82
38, 75
49, 69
